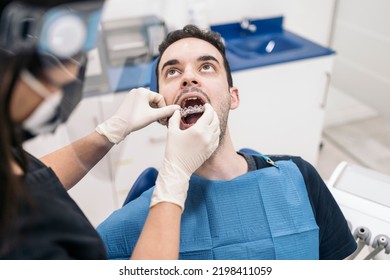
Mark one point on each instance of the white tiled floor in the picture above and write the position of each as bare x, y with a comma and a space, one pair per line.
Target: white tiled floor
342, 108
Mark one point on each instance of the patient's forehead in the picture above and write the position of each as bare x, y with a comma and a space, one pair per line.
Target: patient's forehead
188, 50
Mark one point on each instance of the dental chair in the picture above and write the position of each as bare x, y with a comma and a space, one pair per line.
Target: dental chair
249, 151
147, 179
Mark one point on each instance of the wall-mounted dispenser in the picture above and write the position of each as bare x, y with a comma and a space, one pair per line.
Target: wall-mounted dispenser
127, 47
130, 41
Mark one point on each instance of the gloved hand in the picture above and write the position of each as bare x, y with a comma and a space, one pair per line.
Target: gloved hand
139, 108
185, 151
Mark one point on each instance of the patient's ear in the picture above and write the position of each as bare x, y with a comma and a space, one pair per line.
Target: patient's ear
234, 98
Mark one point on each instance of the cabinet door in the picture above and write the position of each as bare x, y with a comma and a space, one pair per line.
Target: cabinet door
282, 107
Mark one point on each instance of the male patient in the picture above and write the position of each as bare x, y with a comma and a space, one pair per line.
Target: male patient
239, 206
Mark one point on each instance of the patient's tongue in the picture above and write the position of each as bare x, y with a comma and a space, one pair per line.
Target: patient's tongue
193, 118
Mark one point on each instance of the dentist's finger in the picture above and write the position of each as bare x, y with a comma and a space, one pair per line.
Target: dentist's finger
174, 121
207, 116
215, 122
165, 112
156, 100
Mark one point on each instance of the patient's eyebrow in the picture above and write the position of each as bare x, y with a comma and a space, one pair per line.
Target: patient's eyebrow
176, 61
169, 63
207, 58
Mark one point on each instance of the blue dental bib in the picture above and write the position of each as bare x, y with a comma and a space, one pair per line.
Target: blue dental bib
263, 214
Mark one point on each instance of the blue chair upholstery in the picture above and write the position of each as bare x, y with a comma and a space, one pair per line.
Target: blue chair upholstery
153, 78
145, 181
249, 151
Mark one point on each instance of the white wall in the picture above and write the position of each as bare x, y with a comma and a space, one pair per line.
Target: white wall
311, 19
362, 41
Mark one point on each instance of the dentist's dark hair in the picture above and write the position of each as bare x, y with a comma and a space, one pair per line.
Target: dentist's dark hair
192, 31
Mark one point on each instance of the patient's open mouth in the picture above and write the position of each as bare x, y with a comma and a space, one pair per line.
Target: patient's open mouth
191, 110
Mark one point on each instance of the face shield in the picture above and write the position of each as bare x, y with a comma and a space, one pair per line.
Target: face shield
62, 30
59, 37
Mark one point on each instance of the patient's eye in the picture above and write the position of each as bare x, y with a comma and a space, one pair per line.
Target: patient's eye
171, 73
207, 67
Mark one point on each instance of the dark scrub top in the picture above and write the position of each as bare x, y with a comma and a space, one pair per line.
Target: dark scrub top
49, 224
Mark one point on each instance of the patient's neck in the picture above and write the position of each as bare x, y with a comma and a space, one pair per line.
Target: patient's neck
224, 164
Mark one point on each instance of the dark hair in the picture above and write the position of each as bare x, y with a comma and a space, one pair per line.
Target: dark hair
192, 31
10, 143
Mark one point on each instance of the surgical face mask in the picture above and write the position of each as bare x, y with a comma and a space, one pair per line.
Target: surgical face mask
45, 117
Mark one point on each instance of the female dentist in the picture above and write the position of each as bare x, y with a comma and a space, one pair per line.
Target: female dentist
42, 62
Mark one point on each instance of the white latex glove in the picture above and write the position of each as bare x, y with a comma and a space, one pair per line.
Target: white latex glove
185, 151
140, 108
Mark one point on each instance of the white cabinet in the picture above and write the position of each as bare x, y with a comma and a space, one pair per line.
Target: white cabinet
282, 107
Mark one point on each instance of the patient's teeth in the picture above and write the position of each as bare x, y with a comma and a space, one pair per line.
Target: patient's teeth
191, 110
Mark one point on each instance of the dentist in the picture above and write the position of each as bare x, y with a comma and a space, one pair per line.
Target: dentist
42, 63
